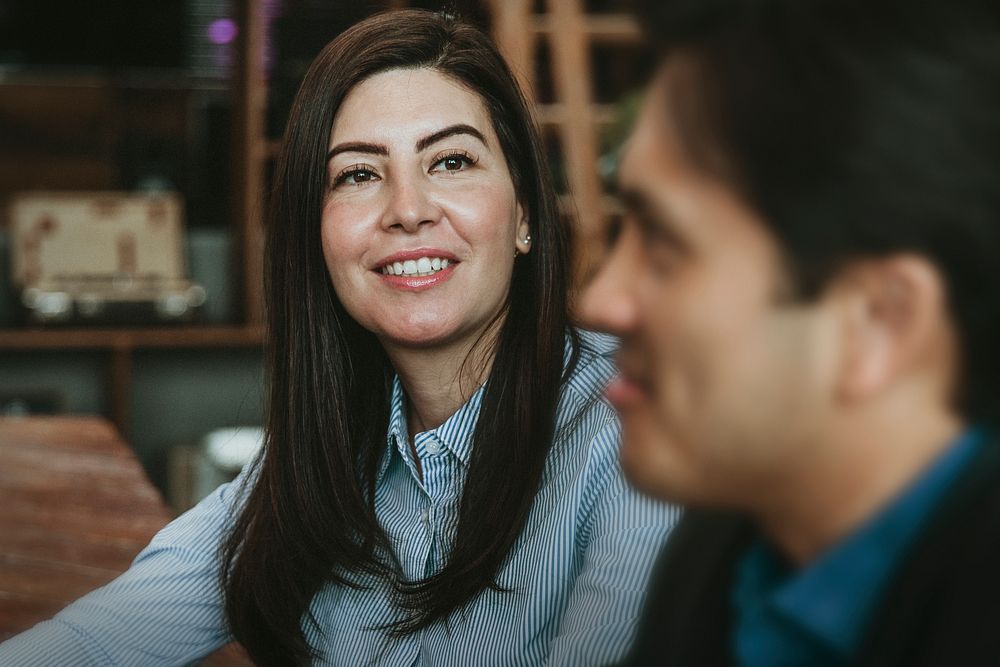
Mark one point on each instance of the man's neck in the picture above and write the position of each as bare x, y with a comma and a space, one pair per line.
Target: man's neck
860, 469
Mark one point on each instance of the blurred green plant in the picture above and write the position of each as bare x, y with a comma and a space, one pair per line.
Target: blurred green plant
614, 136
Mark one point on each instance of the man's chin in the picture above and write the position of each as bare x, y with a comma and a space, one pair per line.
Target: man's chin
638, 454
654, 463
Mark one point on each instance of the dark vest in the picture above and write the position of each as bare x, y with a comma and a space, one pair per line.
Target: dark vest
941, 609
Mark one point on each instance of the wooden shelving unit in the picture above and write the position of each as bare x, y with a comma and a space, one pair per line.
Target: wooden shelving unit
570, 32
128, 339
249, 95
252, 151
122, 343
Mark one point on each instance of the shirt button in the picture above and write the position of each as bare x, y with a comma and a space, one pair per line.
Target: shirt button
433, 448
425, 516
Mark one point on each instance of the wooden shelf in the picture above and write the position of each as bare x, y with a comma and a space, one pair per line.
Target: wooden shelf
124, 339
271, 148
573, 38
556, 114
96, 106
610, 205
609, 28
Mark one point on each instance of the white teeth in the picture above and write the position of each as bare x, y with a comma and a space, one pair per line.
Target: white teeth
423, 266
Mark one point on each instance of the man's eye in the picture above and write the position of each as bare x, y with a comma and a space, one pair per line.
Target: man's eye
612, 231
662, 249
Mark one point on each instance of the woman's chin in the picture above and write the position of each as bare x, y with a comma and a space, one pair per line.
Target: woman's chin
432, 332
419, 337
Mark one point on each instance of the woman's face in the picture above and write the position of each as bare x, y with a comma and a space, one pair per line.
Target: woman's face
421, 220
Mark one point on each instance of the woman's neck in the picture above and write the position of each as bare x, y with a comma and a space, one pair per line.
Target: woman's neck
439, 382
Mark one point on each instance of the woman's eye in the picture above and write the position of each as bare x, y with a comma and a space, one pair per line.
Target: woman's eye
453, 162
356, 175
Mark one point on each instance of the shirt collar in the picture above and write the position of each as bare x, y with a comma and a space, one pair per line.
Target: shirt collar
396, 437
457, 431
832, 599
455, 434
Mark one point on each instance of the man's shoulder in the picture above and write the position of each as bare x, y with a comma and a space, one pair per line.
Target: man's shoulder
966, 522
943, 603
686, 620
704, 545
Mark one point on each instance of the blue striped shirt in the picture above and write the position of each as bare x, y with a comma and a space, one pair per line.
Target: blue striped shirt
578, 572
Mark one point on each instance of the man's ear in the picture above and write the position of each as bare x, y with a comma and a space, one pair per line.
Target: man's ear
894, 321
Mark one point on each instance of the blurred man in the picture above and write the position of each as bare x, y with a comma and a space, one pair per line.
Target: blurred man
807, 287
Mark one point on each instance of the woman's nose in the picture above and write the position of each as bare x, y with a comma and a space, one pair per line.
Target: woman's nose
411, 204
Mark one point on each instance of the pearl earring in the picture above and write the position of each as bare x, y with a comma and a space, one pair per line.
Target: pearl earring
526, 240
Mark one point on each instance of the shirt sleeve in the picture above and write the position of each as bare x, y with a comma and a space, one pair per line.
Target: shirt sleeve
166, 609
621, 539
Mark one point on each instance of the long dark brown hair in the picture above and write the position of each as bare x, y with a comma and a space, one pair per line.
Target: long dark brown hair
309, 518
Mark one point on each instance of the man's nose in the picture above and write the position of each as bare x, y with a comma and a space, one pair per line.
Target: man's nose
608, 302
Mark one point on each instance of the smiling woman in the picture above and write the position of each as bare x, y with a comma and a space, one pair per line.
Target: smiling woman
439, 482
414, 181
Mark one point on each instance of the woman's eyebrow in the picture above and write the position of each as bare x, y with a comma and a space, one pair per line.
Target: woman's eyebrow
357, 147
451, 130
379, 149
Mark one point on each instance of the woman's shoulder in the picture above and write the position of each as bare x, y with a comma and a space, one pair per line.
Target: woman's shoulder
583, 409
597, 344
593, 365
588, 430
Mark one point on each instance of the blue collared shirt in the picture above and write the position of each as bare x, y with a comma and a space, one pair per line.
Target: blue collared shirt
578, 573
817, 616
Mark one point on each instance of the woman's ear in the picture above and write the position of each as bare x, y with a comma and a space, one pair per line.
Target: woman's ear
895, 324
522, 242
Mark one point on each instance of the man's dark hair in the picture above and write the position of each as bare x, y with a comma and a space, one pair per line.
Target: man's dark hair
856, 129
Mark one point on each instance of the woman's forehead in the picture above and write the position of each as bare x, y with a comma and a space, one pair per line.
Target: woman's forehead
401, 103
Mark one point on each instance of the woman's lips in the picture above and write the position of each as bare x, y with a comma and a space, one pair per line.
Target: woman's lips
414, 255
416, 269
415, 283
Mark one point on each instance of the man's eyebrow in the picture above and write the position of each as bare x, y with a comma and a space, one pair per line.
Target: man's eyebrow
451, 130
655, 224
357, 147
